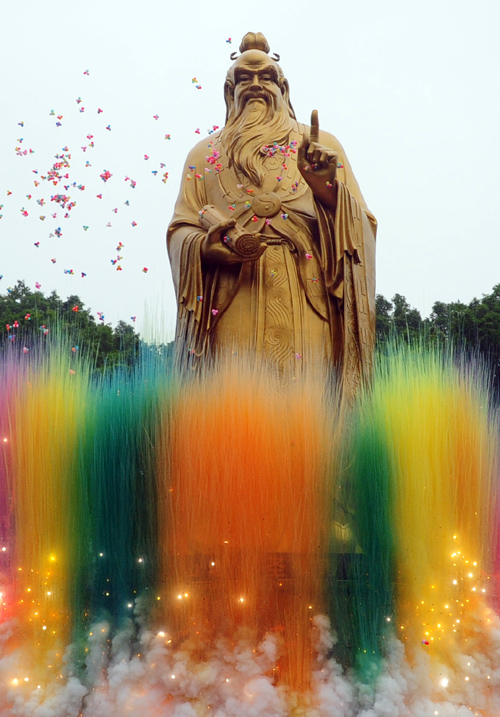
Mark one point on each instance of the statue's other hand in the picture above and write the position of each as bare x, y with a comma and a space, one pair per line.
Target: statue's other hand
213, 248
318, 164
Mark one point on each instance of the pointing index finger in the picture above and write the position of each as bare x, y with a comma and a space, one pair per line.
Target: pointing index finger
314, 126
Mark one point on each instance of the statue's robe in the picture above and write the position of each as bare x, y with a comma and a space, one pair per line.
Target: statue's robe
309, 299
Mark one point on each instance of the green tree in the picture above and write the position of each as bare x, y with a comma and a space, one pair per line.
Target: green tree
384, 309
473, 328
27, 315
406, 320
396, 319
451, 322
126, 344
485, 329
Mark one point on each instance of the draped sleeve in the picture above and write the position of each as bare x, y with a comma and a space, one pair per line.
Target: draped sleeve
347, 254
195, 285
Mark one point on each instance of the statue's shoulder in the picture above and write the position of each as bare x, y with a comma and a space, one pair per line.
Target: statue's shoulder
204, 147
327, 139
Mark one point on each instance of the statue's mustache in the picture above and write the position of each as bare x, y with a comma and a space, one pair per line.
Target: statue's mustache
259, 94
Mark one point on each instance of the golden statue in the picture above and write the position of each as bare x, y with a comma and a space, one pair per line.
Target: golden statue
271, 244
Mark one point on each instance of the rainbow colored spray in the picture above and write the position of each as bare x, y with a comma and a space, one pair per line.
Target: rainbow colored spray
177, 545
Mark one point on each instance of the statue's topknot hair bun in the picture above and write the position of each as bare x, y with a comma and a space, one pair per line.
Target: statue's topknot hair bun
254, 41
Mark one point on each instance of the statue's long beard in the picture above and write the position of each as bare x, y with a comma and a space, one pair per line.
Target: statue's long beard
245, 134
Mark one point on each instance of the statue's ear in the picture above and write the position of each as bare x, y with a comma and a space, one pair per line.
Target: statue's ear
285, 91
229, 98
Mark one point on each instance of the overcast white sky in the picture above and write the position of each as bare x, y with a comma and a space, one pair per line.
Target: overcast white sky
410, 89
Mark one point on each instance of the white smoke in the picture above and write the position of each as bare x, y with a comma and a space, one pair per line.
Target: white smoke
146, 674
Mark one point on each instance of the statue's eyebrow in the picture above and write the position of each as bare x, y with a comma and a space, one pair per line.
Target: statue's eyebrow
269, 69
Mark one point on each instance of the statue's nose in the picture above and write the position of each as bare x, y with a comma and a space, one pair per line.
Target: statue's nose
256, 83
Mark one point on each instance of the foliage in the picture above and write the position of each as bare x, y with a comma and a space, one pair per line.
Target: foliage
26, 315
473, 327
397, 318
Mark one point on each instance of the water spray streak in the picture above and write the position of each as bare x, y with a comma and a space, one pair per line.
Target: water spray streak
233, 544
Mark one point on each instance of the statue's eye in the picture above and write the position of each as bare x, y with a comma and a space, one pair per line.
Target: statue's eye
267, 78
243, 78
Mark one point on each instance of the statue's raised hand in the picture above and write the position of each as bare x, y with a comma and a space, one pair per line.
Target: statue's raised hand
318, 165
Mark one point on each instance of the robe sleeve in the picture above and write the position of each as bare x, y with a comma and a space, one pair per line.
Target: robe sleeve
184, 238
196, 286
185, 235
347, 251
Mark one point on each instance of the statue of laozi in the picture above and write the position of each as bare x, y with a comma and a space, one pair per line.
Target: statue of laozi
272, 246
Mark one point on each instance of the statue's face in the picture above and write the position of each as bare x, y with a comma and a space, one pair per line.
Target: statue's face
256, 80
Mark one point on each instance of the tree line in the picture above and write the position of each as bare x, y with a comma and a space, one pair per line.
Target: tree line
473, 327
26, 315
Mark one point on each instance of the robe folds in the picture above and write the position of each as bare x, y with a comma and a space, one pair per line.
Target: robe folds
311, 296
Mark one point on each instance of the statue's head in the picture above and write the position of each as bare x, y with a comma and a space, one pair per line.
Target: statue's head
259, 112
255, 77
